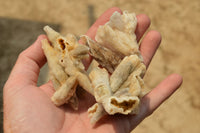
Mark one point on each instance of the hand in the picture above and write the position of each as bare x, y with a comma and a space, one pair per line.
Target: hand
28, 108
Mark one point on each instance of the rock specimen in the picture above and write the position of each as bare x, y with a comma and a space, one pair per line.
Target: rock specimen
116, 83
64, 56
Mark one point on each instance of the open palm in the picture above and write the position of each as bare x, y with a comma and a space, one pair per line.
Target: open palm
28, 108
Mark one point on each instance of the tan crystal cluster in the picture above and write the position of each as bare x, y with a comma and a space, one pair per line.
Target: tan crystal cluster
116, 82
64, 55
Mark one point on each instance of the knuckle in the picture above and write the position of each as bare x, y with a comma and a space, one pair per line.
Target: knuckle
22, 56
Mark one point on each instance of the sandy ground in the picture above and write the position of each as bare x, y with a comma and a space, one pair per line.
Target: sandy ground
178, 21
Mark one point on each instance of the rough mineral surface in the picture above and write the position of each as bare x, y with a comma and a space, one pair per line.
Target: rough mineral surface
119, 92
64, 56
115, 48
117, 85
114, 40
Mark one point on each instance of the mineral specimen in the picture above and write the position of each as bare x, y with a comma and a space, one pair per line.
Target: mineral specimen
64, 56
116, 82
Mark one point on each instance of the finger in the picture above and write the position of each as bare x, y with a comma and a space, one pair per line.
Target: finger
143, 23
29, 62
155, 98
48, 88
149, 45
162, 92
93, 29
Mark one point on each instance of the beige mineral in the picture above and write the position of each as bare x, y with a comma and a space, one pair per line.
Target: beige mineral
64, 56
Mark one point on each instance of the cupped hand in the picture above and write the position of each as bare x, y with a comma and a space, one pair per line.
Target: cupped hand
28, 108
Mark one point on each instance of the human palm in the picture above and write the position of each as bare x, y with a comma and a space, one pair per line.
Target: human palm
28, 108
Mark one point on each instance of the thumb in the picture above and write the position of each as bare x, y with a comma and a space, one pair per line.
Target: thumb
28, 64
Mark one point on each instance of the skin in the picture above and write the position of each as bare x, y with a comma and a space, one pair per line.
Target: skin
28, 108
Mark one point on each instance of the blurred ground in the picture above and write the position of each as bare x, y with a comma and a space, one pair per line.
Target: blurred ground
177, 20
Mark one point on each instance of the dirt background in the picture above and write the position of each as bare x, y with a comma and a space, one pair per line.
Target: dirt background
178, 21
